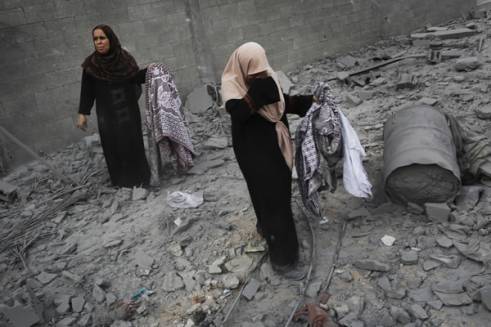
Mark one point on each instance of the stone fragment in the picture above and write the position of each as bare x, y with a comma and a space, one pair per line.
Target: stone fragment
139, 193
66, 322
388, 240
143, 260
230, 282
421, 295
454, 299
356, 304
378, 81
437, 212
342, 76
409, 257
484, 112
20, 315
485, 295
314, 289
430, 265
110, 298
406, 81
370, 264
239, 265
72, 277
46, 278
341, 309
189, 280
415, 208
444, 242
448, 287
113, 243
418, 312
78, 303
400, 315
98, 294
85, 321
63, 304
215, 143
451, 261
346, 276
198, 101
251, 289
467, 64
347, 61
358, 213
172, 282
353, 99
459, 78
437, 304
428, 101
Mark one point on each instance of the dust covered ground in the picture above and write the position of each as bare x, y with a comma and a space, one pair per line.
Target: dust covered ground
94, 255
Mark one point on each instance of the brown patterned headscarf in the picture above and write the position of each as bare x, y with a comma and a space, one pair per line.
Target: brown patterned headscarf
117, 65
249, 59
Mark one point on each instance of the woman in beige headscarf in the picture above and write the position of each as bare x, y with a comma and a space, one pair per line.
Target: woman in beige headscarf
263, 147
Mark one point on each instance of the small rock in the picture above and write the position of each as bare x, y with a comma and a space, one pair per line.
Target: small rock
418, 312
437, 304
216, 143
428, 101
415, 208
66, 322
353, 99
400, 315
341, 309
421, 295
484, 112
454, 299
230, 282
388, 240
20, 315
467, 64
314, 289
46, 278
409, 257
459, 78
189, 280
444, 242
63, 304
110, 298
85, 321
451, 261
143, 260
251, 289
437, 212
113, 243
346, 276
172, 282
239, 264
430, 264
342, 76
485, 294
98, 294
374, 265
71, 276
358, 213
175, 249
139, 193
78, 303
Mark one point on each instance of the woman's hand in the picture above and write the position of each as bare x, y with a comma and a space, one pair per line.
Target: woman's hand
82, 122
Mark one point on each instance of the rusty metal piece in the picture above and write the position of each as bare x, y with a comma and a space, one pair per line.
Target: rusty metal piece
316, 316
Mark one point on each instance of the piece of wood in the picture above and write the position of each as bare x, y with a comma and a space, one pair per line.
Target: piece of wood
450, 34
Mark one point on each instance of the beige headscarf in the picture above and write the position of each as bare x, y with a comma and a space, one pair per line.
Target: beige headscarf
249, 59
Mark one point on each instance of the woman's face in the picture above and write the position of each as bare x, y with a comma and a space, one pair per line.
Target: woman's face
101, 42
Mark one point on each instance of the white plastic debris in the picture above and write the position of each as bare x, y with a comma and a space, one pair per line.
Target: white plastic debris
388, 240
184, 200
324, 220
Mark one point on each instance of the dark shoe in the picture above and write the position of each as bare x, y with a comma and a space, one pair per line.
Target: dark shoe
295, 271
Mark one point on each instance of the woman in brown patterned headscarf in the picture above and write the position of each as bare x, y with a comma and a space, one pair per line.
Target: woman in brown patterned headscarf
111, 78
263, 148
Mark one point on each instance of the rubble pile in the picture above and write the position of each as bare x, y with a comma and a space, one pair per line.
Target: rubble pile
90, 254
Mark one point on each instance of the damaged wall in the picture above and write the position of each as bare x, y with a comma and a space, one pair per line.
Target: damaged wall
44, 42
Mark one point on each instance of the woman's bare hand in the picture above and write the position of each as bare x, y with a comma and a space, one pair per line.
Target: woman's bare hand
82, 122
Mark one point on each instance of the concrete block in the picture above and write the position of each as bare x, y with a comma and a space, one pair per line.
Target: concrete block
437, 212
251, 289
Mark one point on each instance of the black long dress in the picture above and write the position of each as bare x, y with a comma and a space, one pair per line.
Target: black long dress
267, 175
119, 123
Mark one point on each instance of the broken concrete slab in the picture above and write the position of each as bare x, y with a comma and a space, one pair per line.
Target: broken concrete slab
172, 282
139, 193
373, 265
437, 212
198, 101
446, 34
239, 264
20, 315
459, 299
418, 312
467, 64
251, 289
409, 257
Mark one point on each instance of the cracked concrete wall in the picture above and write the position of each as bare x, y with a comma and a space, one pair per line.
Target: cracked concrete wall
44, 42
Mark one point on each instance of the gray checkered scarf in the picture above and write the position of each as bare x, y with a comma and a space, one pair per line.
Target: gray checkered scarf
318, 143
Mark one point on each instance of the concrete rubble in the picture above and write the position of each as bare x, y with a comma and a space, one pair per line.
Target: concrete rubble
93, 255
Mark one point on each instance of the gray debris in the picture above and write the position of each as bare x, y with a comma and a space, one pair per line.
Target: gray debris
139, 193
20, 315
467, 64
285, 82
239, 265
370, 264
98, 294
409, 257
454, 299
215, 143
421, 295
46, 278
437, 304
230, 282
418, 312
66, 322
437, 212
143, 260
63, 304
172, 282
444, 242
78, 303
485, 295
251, 289
451, 261
484, 112
400, 315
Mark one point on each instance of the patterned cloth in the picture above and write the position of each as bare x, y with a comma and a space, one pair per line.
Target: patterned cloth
167, 132
319, 145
